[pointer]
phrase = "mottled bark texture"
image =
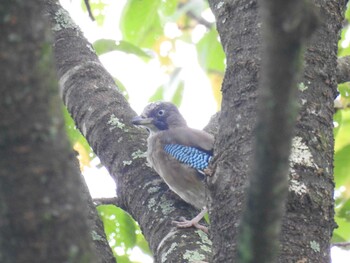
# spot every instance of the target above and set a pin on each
(102, 249)
(43, 214)
(103, 116)
(343, 69)
(285, 27)
(308, 223)
(239, 28)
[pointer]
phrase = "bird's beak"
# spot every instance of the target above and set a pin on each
(138, 120)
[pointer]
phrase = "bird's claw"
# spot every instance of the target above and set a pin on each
(208, 172)
(184, 223)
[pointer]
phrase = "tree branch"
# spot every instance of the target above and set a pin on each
(103, 116)
(88, 8)
(200, 20)
(43, 209)
(343, 69)
(106, 201)
(287, 24)
(341, 244)
(196, 17)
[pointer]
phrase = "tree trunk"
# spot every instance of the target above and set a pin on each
(308, 224)
(43, 212)
(237, 23)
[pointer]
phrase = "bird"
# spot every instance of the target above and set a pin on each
(179, 154)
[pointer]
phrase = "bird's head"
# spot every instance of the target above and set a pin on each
(160, 116)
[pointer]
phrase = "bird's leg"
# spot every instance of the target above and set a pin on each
(208, 171)
(193, 222)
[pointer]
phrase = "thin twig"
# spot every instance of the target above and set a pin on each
(341, 244)
(106, 201)
(88, 7)
(200, 20)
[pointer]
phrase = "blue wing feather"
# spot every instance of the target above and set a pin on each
(189, 155)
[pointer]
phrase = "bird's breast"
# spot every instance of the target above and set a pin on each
(181, 178)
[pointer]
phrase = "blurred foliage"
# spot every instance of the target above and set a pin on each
(103, 46)
(344, 51)
(122, 232)
(211, 57)
(143, 27)
(174, 84)
(98, 10)
(78, 141)
(342, 147)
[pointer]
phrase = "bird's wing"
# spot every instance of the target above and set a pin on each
(189, 146)
(190, 137)
(189, 155)
(180, 177)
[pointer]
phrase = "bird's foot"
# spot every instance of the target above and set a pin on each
(208, 172)
(194, 222)
(184, 223)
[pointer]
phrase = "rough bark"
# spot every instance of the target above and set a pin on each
(103, 115)
(285, 28)
(238, 26)
(43, 214)
(308, 224)
(343, 69)
(102, 249)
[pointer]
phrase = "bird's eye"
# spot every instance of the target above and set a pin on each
(161, 112)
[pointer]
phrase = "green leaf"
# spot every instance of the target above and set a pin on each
(174, 83)
(342, 166)
(168, 8)
(211, 56)
(121, 88)
(123, 259)
(344, 211)
(74, 134)
(178, 94)
(140, 22)
(153, 34)
(103, 46)
(344, 51)
(142, 244)
(347, 13)
(157, 95)
(338, 119)
(118, 223)
(122, 231)
(337, 238)
(344, 89)
(342, 136)
(206, 218)
(342, 233)
(97, 9)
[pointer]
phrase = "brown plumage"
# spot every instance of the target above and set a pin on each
(167, 127)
